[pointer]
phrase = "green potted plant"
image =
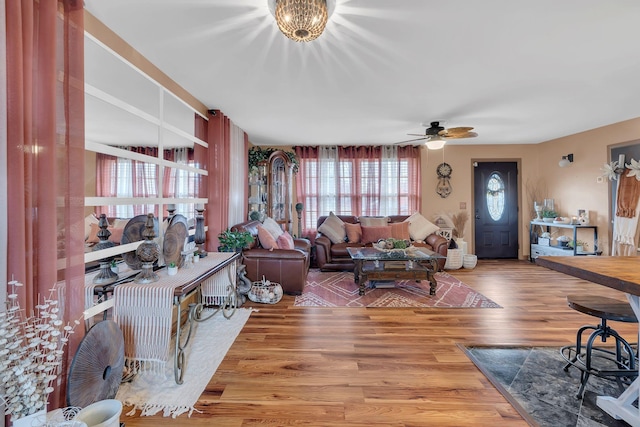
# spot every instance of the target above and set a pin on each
(549, 215)
(234, 241)
(172, 269)
(581, 246)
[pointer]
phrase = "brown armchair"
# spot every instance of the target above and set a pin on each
(289, 267)
(334, 256)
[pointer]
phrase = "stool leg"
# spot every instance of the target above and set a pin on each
(579, 345)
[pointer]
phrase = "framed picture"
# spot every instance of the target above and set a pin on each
(583, 216)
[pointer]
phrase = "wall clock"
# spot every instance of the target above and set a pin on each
(443, 188)
(444, 170)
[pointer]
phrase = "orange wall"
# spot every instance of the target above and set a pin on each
(572, 188)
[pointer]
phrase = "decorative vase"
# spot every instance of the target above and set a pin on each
(461, 244)
(469, 261)
(103, 413)
(33, 420)
(454, 259)
(148, 252)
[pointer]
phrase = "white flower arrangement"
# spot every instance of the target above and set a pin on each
(31, 350)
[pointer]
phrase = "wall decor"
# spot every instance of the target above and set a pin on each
(443, 188)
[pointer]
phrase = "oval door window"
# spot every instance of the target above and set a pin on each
(495, 196)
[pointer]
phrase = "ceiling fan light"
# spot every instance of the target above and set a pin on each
(435, 143)
(301, 20)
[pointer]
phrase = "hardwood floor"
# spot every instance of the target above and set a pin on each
(386, 366)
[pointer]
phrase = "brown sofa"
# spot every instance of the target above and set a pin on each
(289, 267)
(334, 256)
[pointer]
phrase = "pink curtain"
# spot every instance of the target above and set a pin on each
(217, 210)
(45, 103)
(361, 176)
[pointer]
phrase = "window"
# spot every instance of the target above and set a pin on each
(495, 196)
(372, 181)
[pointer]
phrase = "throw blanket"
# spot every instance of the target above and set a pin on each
(144, 313)
(625, 222)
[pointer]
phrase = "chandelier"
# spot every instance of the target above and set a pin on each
(301, 20)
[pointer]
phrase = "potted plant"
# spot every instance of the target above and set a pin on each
(549, 215)
(234, 241)
(172, 269)
(579, 245)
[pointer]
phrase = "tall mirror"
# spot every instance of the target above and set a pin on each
(142, 154)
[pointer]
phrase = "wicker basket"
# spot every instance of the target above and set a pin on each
(265, 292)
(454, 259)
(469, 261)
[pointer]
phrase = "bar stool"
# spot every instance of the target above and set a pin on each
(619, 363)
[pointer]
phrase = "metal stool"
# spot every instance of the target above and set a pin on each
(619, 364)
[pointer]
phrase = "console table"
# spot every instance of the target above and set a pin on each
(537, 249)
(620, 273)
(144, 312)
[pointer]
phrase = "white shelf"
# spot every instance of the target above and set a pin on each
(537, 250)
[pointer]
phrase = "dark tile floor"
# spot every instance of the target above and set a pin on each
(535, 378)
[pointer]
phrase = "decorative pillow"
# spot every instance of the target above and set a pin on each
(373, 221)
(400, 230)
(354, 232)
(116, 234)
(120, 223)
(272, 227)
(333, 228)
(88, 220)
(420, 227)
(267, 240)
(285, 241)
(373, 234)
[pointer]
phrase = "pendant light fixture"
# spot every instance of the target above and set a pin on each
(302, 20)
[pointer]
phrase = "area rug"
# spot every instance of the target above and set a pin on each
(338, 289)
(532, 379)
(152, 393)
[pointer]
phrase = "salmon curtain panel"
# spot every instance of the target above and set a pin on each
(363, 180)
(45, 157)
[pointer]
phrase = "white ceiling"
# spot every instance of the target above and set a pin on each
(517, 71)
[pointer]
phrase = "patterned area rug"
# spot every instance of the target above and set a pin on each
(329, 289)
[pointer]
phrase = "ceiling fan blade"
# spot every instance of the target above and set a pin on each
(461, 135)
(455, 131)
(416, 134)
(411, 140)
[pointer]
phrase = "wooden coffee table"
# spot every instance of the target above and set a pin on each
(375, 264)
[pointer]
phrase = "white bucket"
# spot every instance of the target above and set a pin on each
(103, 413)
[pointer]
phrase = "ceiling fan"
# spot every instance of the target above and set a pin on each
(437, 135)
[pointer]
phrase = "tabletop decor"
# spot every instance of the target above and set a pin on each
(31, 355)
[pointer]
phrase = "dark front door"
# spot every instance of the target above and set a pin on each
(496, 209)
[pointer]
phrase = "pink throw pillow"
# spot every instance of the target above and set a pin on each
(373, 234)
(285, 241)
(267, 240)
(354, 232)
(400, 230)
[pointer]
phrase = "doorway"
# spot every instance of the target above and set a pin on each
(495, 196)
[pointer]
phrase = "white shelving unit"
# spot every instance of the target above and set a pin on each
(537, 250)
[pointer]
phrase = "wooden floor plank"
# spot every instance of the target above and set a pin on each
(388, 366)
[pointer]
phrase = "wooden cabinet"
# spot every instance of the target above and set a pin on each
(279, 189)
(539, 246)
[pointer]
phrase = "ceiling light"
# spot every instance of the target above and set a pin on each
(566, 161)
(435, 143)
(301, 20)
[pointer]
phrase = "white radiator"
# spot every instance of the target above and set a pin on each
(217, 288)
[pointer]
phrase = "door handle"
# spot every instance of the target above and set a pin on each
(477, 216)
